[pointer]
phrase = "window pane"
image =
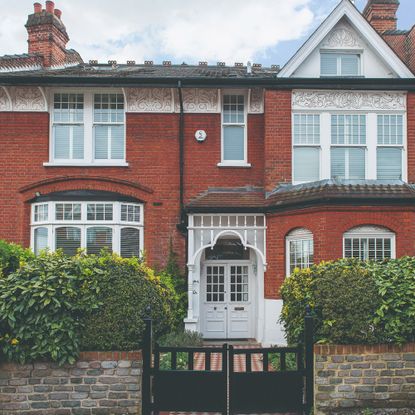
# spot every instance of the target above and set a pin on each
(101, 141)
(62, 141)
(68, 108)
(130, 242)
(306, 164)
(329, 64)
(301, 253)
(41, 240)
(41, 213)
(233, 109)
(78, 142)
(306, 129)
(376, 249)
(347, 163)
(130, 213)
(98, 238)
(350, 65)
(108, 108)
(390, 129)
(117, 142)
(68, 211)
(68, 239)
(233, 143)
(389, 163)
(100, 211)
(348, 129)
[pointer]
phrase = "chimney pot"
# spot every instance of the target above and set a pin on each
(58, 13)
(37, 7)
(50, 6)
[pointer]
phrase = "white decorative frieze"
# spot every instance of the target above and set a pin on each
(27, 98)
(5, 104)
(149, 100)
(256, 101)
(204, 100)
(342, 36)
(348, 100)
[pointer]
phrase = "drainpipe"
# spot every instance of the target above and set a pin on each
(182, 225)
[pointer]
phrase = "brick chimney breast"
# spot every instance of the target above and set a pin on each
(381, 14)
(47, 35)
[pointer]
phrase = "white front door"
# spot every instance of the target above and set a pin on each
(228, 301)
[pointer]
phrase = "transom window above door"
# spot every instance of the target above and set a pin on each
(93, 226)
(87, 128)
(227, 249)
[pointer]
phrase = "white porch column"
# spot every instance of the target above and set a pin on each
(190, 322)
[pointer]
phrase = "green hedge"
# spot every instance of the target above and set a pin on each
(352, 301)
(52, 306)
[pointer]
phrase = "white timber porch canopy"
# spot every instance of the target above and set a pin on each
(204, 231)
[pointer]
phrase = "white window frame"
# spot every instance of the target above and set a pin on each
(235, 163)
(299, 234)
(89, 126)
(371, 141)
(295, 145)
(356, 52)
(365, 232)
(115, 224)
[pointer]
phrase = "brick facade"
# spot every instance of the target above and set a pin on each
(352, 378)
(105, 383)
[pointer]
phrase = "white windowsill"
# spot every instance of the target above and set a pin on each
(82, 164)
(237, 165)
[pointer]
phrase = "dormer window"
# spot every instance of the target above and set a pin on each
(340, 64)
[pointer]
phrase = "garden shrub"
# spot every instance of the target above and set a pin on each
(11, 255)
(40, 307)
(127, 289)
(352, 301)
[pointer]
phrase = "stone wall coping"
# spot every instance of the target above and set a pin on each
(342, 349)
(89, 356)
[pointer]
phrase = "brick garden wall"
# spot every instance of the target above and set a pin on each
(98, 384)
(349, 379)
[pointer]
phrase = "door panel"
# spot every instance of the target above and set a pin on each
(239, 307)
(227, 303)
(215, 308)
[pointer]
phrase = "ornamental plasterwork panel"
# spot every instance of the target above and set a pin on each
(344, 100)
(149, 100)
(204, 100)
(5, 104)
(342, 36)
(256, 101)
(27, 98)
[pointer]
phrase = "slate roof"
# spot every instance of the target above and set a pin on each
(114, 70)
(342, 191)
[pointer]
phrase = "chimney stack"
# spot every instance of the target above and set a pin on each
(47, 34)
(37, 8)
(381, 14)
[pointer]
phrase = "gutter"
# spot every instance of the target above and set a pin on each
(182, 225)
(391, 84)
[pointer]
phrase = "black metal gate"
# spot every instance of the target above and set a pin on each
(173, 382)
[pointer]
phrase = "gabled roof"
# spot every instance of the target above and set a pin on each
(346, 9)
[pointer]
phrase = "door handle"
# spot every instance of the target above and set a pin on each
(226, 308)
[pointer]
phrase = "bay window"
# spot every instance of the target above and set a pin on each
(87, 128)
(69, 226)
(348, 145)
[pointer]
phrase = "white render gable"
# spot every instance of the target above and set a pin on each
(346, 31)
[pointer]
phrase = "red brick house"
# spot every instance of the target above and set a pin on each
(248, 171)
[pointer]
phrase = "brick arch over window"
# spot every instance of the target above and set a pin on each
(67, 183)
